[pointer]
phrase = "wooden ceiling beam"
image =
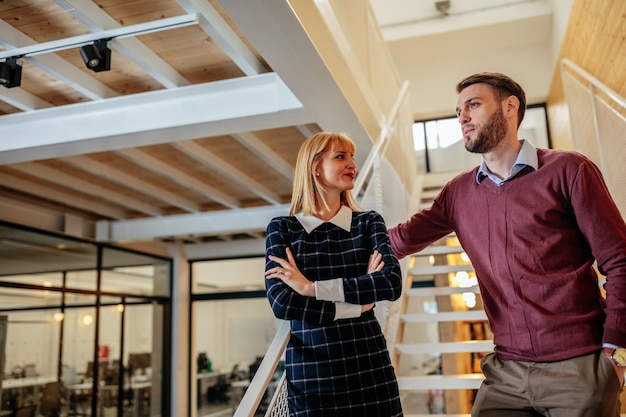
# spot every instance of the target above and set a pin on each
(153, 164)
(215, 26)
(105, 171)
(86, 187)
(57, 196)
(206, 157)
(252, 142)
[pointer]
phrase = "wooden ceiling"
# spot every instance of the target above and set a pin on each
(191, 120)
(191, 135)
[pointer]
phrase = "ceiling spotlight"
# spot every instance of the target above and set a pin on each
(11, 72)
(97, 56)
(443, 7)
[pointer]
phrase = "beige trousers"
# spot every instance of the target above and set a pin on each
(586, 386)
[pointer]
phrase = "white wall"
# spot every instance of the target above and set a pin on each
(562, 9)
(32, 338)
(525, 49)
(233, 331)
(433, 78)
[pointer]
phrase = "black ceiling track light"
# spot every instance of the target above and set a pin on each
(97, 56)
(11, 72)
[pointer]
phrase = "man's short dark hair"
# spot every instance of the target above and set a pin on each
(502, 85)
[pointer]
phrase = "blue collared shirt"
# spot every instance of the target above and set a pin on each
(527, 157)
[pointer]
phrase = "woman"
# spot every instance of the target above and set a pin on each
(327, 263)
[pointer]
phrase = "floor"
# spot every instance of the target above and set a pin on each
(412, 403)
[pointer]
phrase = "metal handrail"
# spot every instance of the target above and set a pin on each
(383, 136)
(594, 81)
(617, 107)
(255, 391)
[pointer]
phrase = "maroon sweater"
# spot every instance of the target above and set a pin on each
(533, 241)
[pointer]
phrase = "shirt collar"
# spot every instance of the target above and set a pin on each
(527, 156)
(343, 219)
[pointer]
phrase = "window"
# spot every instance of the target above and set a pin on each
(439, 145)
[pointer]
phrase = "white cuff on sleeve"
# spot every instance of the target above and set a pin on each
(330, 290)
(347, 311)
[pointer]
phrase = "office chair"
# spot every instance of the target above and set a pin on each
(52, 399)
(26, 411)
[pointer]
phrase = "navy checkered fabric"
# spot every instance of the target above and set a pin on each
(336, 367)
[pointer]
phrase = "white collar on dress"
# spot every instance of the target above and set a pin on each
(343, 219)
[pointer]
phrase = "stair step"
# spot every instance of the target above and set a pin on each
(429, 382)
(446, 347)
(474, 315)
(439, 269)
(440, 250)
(433, 291)
(438, 179)
(430, 194)
(440, 415)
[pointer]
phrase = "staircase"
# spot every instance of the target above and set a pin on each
(437, 368)
(440, 336)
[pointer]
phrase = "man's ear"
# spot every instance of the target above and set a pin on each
(512, 105)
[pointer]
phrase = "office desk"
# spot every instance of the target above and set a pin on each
(33, 381)
(81, 386)
(20, 386)
(89, 385)
(79, 398)
(207, 380)
(240, 384)
(138, 386)
(208, 375)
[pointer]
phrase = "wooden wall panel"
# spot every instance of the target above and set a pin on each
(595, 40)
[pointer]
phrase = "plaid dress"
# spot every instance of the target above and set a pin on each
(336, 367)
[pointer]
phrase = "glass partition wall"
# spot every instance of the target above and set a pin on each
(232, 326)
(85, 327)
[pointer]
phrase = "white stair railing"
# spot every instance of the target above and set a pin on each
(598, 125)
(263, 376)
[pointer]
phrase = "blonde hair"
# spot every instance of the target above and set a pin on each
(305, 184)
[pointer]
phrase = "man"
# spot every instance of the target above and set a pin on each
(533, 222)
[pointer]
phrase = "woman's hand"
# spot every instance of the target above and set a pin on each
(367, 307)
(289, 273)
(375, 263)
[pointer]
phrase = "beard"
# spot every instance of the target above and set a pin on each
(490, 135)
